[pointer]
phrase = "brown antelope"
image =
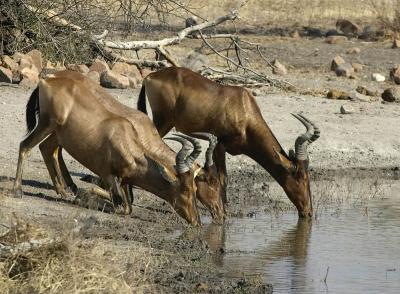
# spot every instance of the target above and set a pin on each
(189, 102)
(105, 143)
(207, 182)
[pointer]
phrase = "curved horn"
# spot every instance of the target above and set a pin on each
(305, 139)
(181, 156)
(196, 149)
(212, 140)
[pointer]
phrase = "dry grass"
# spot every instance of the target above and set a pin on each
(62, 266)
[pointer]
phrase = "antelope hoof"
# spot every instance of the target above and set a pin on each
(18, 193)
(123, 210)
(72, 189)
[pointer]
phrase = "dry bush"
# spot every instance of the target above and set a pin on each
(388, 13)
(62, 266)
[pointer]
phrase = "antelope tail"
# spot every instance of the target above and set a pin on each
(32, 110)
(141, 104)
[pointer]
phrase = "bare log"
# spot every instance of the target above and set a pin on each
(136, 45)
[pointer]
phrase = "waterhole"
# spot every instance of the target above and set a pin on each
(351, 247)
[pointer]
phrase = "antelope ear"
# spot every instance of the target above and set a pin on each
(166, 174)
(285, 162)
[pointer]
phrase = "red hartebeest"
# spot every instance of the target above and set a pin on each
(105, 143)
(207, 181)
(189, 102)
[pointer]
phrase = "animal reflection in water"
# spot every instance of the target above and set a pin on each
(292, 247)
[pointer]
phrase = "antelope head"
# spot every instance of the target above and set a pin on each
(184, 185)
(208, 183)
(296, 181)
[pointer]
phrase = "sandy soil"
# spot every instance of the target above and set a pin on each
(365, 143)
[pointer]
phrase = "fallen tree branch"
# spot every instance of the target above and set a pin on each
(136, 45)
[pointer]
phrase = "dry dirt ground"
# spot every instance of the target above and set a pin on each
(153, 250)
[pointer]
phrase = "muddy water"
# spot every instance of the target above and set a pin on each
(348, 249)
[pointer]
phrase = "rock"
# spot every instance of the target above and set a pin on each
(145, 72)
(395, 74)
(377, 77)
(200, 287)
(335, 39)
(279, 68)
(82, 68)
(195, 61)
(348, 27)
(295, 34)
(332, 33)
(344, 70)
(94, 76)
(5, 75)
(25, 62)
(338, 60)
(354, 50)
(37, 59)
(191, 21)
(17, 56)
(396, 43)
(357, 66)
(256, 92)
(133, 83)
(337, 94)
(31, 74)
(128, 70)
(346, 109)
(9, 63)
(99, 65)
(110, 79)
(391, 95)
(365, 91)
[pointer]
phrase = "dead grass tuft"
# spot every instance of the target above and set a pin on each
(55, 265)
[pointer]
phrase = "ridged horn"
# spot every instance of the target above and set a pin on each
(305, 139)
(212, 140)
(196, 149)
(181, 156)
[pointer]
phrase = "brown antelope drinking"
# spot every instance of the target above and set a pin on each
(189, 102)
(207, 182)
(105, 143)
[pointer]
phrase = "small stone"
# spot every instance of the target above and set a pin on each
(348, 27)
(99, 65)
(378, 77)
(335, 39)
(94, 76)
(344, 70)
(30, 74)
(145, 72)
(395, 74)
(365, 91)
(82, 68)
(133, 83)
(396, 43)
(128, 70)
(391, 95)
(195, 61)
(256, 92)
(201, 287)
(25, 62)
(9, 63)
(338, 60)
(17, 56)
(279, 68)
(110, 79)
(346, 109)
(354, 50)
(295, 34)
(5, 75)
(357, 66)
(337, 94)
(37, 59)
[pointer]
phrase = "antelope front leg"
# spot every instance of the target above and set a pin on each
(219, 157)
(116, 190)
(49, 149)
